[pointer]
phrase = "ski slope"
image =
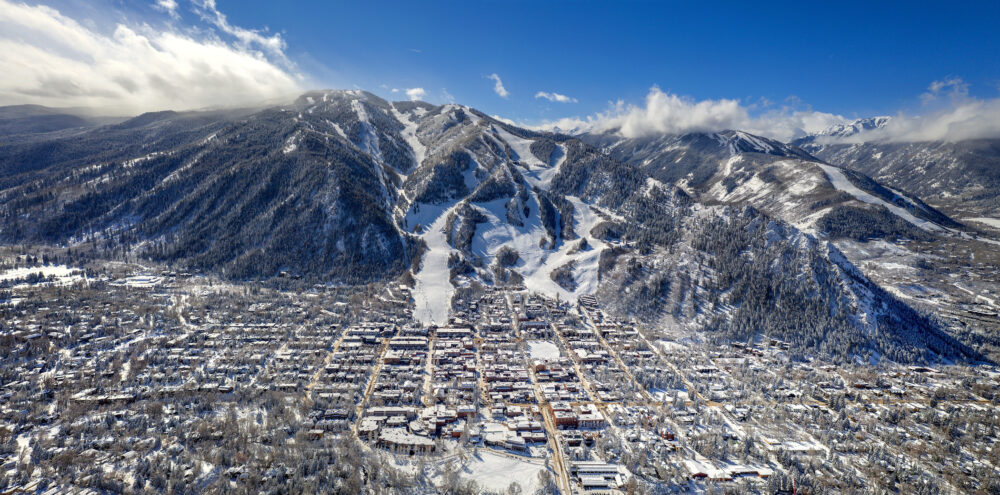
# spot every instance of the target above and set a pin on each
(433, 290)
(840, 181)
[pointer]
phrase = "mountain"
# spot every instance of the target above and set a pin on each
(246, 195)
(30, 122)
(735, 167)
(960, 178)
(840, 131)
(719, 236)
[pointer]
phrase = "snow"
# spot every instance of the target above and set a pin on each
(58, 271)
(63, 274)
(992, 222)
(433, 290)
(410, 135)
(536, 263)
(522, 147)
(542, 177)
(727, 170)
(369, 141)
(290, 143)
(895, 266)
(543, 349)
(756, 143)
(841, 183)
(337, 128)
(469, 175)
(495, 472)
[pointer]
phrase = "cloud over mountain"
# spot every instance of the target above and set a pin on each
(668, 113)
(948, 114)
(49, 58)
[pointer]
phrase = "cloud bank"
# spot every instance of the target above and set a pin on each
(948, 114)
(951, 115)
(668, 113)
(50, 59)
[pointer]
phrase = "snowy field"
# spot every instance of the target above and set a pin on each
(495, 472)
(992, 222)
(62, 273)
(542, 349)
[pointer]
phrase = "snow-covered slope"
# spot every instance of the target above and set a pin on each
(961, 178)
(735, 167)
(840, 131)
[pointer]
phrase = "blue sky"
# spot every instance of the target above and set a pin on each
(842, 57)
(849, 59)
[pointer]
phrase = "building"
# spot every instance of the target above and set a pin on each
(399, 441)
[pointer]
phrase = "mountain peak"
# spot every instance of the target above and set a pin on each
(856, 127)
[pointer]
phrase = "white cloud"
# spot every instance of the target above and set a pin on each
(948, 114)
(953, 87)
(555, 97)
(416, 93)
(498, 87)
(168, 6)
(274, 45)
(50, 59)
(504, 120)
(667, 113)
(962, 119)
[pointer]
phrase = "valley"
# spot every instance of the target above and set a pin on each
(221, 386)
(345, 293)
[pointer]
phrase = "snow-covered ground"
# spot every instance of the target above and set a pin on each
(409, 133)
(543, 349)
(433, 290)
(840, 181)
(992, 222)
(62, 273)
(495, 472)
(536, 263)
(521, 146)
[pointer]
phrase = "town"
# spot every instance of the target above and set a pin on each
(124, 378)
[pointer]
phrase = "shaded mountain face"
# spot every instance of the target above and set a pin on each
(704, 234)
(246, 196)
(961, 178)
(26, 123)
(34, 119)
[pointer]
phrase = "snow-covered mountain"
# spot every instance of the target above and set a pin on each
(700, 232)
(960, 178)
(855, 128)
(735, 167)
